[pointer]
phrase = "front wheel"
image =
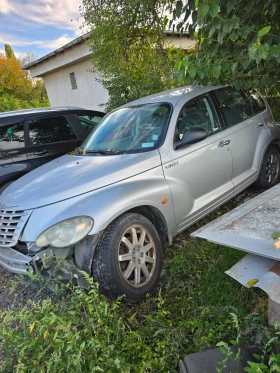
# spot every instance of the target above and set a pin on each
(270, 169)
(128, 258)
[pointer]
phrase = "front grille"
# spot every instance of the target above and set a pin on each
(11, 225)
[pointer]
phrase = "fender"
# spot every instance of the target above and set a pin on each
(106, 204)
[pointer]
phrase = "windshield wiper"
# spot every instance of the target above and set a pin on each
(101, 151)
(79, 151)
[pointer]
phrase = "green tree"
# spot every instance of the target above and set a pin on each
(128, 47)
(238, 42)
(9, 51)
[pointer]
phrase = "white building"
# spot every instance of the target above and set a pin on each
(68, 77)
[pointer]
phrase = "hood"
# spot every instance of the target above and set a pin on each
(70, 176)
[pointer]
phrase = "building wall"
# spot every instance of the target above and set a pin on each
(89, 93)
(60, 59)
(178, 41)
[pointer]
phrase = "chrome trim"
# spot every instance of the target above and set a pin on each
(11, 225)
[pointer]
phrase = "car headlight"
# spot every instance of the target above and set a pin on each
(66, 233)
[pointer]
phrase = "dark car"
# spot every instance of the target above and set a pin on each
(30, 138)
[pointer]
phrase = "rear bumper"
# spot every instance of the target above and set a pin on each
(15, 261)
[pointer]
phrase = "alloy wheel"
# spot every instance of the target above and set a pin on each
(137, 256)
(272, 168)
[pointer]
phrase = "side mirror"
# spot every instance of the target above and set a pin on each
(191, 136)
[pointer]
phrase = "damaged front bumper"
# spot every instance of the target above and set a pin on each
(15, 261)
(78, 258)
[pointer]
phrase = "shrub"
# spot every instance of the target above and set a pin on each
(268, 360)
(83, 332)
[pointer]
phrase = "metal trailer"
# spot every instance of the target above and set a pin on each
(248, 228)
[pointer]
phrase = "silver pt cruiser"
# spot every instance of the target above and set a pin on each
(150, 169)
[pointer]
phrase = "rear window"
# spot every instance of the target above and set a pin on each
(234, 105)
(12, 136)
(258, 101)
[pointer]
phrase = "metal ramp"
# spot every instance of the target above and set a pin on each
(248, 228)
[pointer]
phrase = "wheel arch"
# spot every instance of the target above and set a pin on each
(276, 143)
(83, 252)
(273, 142)
(259, 183)
(156, 218)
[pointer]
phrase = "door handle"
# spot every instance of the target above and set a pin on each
(260, 125)
(41, 152)
(223, 143)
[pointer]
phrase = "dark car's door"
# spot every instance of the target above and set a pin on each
(49, 137)
(87, 120)
(13, 159)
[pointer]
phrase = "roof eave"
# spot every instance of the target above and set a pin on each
(78, 40)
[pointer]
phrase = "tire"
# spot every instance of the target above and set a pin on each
(4, 186)
(270, 169)
(129, 235)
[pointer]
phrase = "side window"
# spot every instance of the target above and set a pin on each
(197, 112)
(12, 136)
(234, 105)
(258, 101)
(50, 130)
(88, 121)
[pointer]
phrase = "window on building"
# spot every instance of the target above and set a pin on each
(12, 136)
(73, 81)
(50, 130)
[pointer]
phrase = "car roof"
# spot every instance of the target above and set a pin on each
(172, 96)
(10, 117)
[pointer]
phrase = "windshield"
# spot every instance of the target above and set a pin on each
(129, 130)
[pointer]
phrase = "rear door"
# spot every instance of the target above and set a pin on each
(246, 134)
(49, 137)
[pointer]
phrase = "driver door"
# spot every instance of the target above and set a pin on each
(199, 175)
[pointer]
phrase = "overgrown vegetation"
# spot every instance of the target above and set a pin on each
(237, 43)
(267, 360)
(17, 89)
(85, 332)
(128, 47)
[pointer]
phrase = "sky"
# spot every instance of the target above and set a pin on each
(39, 26)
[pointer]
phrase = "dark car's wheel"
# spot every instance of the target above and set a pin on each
(270, 169)
(4, 186)
(128, 258)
